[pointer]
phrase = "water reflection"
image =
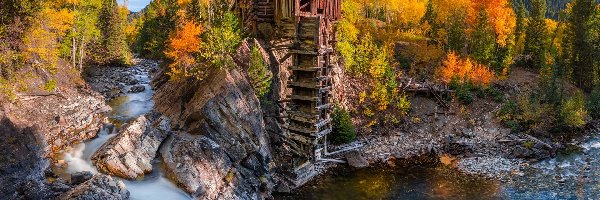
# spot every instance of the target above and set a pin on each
(402, 182)
(573, 176)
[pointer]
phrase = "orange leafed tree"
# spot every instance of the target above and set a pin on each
(501, 17)
(465, 71)
(182, 48)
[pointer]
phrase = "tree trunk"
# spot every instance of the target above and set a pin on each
(81, 53)
(74, 51)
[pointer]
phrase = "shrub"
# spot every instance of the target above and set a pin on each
(508, 111)
(403, 104)
(593, 103)
(343, 129)
(495, 93)
(573, 112)
(455, 70)
(259, 72)
(464, 95)
(529, 144)
(50, 85)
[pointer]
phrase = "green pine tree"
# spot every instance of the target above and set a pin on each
(430, 17)
(520, 26)
(156, 28)
(259, 73)
(581, 58)
(483, 42)
(456, 32)
(115, 50)
(535, 39)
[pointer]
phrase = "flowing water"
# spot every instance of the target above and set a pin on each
(129, 106)
(574, 176)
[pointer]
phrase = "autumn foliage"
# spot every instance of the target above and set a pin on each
(182, 48)
(465, 71)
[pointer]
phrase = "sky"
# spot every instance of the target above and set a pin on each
(135, 5)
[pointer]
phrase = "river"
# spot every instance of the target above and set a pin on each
(564, 177)
(126, 107)
(572, 176)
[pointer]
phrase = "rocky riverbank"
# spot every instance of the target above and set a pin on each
(112, 82)
(469, 137)
(39, 123)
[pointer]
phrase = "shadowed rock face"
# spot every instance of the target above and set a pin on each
(225, 112)
(130, 153)
(99, 187)
(21, 163)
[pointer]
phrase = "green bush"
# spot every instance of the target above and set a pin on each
(573, 112)
(403, 104)
(259, 72)
(508, 111)
(529, 144)
(343, 129)
(495, 93)
(463, 93)
(593, 103)
(50, 85)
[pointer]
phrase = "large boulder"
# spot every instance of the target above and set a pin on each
(222, 107)
(98, 187)
(130, 153)
(202, 168)
(355, 159)
(225, 111)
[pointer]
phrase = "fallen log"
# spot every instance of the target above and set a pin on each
(538, 141)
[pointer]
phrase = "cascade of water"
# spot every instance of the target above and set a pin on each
(126, 107)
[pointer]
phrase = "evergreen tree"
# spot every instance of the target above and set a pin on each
(581, 58)
(259, 73)
(483, 42)
(115, 50)
(194, 11)
(595, 24)
(160, 21)
(430, 17)
(535, 38)
(456, 32)
(520, 29)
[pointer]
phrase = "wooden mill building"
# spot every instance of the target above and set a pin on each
(308, 24)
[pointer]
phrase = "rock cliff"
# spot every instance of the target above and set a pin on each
(36, 124)
(225, 124)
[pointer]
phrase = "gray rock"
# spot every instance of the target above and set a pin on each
(59, 186)
(99, 187)
(226, 112)
(80, 177)
(203, 169)
(283, 188)
(129, 154)
(522, 152)
(355, 159)
(137, 89)
(223, 108)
